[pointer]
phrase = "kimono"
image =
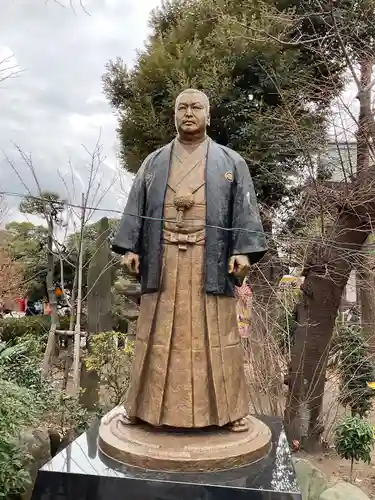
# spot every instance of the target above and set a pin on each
(189, 210)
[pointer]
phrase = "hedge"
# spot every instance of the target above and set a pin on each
(11, 328)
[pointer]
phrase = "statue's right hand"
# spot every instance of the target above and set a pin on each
(131, 261)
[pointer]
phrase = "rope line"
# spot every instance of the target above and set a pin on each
(350, 247)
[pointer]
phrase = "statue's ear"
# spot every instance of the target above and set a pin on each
(208, 120)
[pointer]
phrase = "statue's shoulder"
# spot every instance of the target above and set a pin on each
(231, 155)
(149, 159)
(161, 150)
(152, 158)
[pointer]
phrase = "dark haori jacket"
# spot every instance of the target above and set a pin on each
(231, 203)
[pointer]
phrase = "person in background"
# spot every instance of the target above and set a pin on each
(30, 309)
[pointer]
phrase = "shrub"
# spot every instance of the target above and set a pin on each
(37, 326)
(354, 440)
(66, 414)
(18, 408)
(14, 479)
(12, 328)
(111, 355)
(26, 400)
(356, 369)
(21, 408)
(22, 402)
(20, 361)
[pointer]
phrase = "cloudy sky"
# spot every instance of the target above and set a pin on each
(54, 109)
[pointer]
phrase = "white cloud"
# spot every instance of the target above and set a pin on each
(56, 105)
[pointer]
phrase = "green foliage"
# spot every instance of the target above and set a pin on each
(90, 234)
(20, 362)
(14, 479)
(22, 407)
(260, 91)
(65, 413)
(25, 238)
(354, 440)
(111, 355)
(49, 205)
(36, 326)
(26, 401)
(11, 328)
(18, 409)
(27, 245)
(356, 369)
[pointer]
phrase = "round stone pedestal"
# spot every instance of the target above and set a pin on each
(181, 450)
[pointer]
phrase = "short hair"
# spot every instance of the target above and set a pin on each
(195, 91)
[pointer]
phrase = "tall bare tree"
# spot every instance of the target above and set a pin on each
(50, 207)
(333, 256)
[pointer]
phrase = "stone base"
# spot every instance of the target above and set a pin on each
(82, 472)
(177, 450)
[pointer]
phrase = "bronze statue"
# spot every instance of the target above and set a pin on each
(190, 231)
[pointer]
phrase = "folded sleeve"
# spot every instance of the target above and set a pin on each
(248, 236)
(128, 236)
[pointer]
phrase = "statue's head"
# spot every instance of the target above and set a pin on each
(192, 114)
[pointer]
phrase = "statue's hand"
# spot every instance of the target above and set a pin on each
(239, 265)
(131, 261)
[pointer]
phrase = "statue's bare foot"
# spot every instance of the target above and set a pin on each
(241, 425)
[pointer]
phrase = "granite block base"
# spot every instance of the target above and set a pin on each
(82, 472)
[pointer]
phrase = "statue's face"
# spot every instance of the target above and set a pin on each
(191, 114)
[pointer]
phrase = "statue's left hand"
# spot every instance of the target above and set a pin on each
(239, 265)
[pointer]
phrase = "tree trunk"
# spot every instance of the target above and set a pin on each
(351, 470)
(325, 281)
(73, 300)
(51, 291)
(366, 288)
(77, 329)
(326, 275)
